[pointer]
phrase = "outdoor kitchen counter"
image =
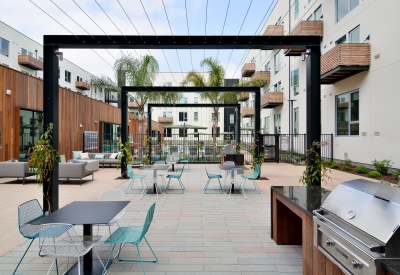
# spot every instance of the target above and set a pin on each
(292, 224)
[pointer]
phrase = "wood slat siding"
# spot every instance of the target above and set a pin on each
(346, 55)
(74, 109)
(272, 97)
(248, 69)
(274, 30)
(306, 27)
(243, 96)
(30, 62)
(162, 119)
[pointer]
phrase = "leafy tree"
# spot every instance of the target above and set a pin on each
(104, 84)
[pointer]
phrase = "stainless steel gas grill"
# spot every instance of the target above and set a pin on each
(357, 226)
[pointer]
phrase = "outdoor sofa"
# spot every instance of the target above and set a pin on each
(72, 170)
(106, 159)
(16, 169)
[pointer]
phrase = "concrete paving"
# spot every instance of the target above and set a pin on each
(192, 233)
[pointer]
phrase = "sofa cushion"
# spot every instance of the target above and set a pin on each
(99, 156)
(113, 155)
(76, 154)
(84, 155)
(79, 161)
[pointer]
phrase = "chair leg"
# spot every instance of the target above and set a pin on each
(23, 255)
(205, 187)
(108, 260)
(151, 250)
(140, 257)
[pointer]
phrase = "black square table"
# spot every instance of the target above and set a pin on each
(228, 168)
(86, 213)
(154, 168)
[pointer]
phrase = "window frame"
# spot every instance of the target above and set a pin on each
(349, 9)
(348, 94)
(1, 47)
(298, 81)
(277, 58)
(196, 116)
(296, 9)
(296, 122)
(67, 76)
(167, 132)
(183, 115)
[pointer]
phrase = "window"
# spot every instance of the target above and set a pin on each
(347, 114)
(252, 103)
(295, 81)
(40, 59)
(343, 7)
(58, 72)
(167, 132)
(167, 114)
(212, 117)
(266, 125)
(4, 44)
(277, 123)
(183, 100)
(354, 35)
(181, 131)
(279, 21)
(296, 121)
(212, 131)
(78, 78)
(277, 62)
(196, 116)
(196, 100)
(183, 116)
(296, 9)
(268, 66)
(341, 40)
(67, 76)
(167, 83)
(277, 87)
(231, 118)
(24, 52)
(30, 53)
(196, 131)
(317, 15)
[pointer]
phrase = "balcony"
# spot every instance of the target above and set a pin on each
(82, 85)
(262, 74)
(343, 61)
(305, 28)
(163, 119)
(248, 112)
(30, 62)
(243, 96)
(274, 30)
(271, 100)
(133, 104)
(248, 69)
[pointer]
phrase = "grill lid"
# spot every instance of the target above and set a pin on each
(369, 206)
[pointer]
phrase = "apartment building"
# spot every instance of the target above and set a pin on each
(359, 65)
(23, 54)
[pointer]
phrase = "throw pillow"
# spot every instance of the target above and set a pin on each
(113, 155)
(79, 161)
(84, 155)
(119, 153)
(99, 156)
(77, 154)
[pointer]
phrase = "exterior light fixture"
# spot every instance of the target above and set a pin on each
(304, 54)
(8, 92)
(59, 55)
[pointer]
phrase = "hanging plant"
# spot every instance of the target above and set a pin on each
(43, 158)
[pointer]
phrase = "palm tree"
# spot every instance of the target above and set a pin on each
(104, 84)
(216, 78)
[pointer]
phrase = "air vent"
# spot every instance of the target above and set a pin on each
(377, 134)
(364, 134)
(346, 156)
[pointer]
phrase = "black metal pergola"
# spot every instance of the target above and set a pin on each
(53, 43)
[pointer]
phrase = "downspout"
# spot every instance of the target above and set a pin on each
(290, 101)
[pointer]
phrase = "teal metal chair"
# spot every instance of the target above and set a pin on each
(210, 177)
(178, 177)
(29, 212)
(253, 177)
(134, 176)
(133, 235)
(186, 162)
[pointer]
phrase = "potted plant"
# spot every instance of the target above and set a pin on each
(124, 152)
(43, 158)
(258, 158)
(316, 171)
(238, 147)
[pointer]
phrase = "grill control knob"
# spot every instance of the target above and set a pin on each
(355, 264)
(330, 242)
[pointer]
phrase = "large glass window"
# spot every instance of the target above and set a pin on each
(167, 114)
(347, 114)
(183, 100)
(296, 9)
(183, 132)
(196, 116)
(277, 87)
(196, 100)
(31, 128)
(212, 117)
(277, 123)
(295, 81)
(277, 62)
(67, 76)
(111, 134)
(266, 125)
(183, 116)
(231, 118)
(4, 45)
(24, 51)
(341, 40)
(167, 132)
(354, 35)
(296, 121)
(316, 15)
(343, 7)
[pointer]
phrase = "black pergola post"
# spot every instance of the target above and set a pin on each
(238, 125)
(50, 115)
(257, 113)
(313, 100)
(124, 127)
(148, 143)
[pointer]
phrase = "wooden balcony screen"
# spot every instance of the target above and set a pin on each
(30, 62)
(306, 27)
(272, 99)
(133, 104)
(248, 69)
(163, 119)
(248, 112)
(274, 30)
(262, 74)
(243, 96)
(82, 85)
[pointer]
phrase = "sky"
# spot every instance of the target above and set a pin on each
(100, 17)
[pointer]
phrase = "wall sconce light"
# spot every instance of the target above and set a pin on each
(95, 121)
(8, 92)
(80, 125)
(59, 55)
(304, 54)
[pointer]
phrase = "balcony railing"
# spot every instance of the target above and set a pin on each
(30, 62)
(274, 30)
(272, 99)
(133, 104)
(248, 69)
(163, 119)
(262, 74)
(343, 61)
(82, 85)
(305, 27)
(243, 96)
(248, 112)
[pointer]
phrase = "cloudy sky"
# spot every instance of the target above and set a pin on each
(99, 17)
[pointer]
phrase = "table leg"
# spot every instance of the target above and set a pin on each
(87, 259)
(173, 167)
(154, 181)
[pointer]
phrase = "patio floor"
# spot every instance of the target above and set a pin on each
(192, 233)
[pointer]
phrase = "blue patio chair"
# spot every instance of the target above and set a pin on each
(132, 176)
(29, 212)
(178, 177)
(186, 162)
(210, 177)
(133, 235)
(253, 177)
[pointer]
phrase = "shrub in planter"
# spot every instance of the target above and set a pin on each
(347, 162)
(347, 168)
(382, 166)
(385, 182)
(334, 165)
(397, 174)
(361, 169)
(374, 174)
(326, 163)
